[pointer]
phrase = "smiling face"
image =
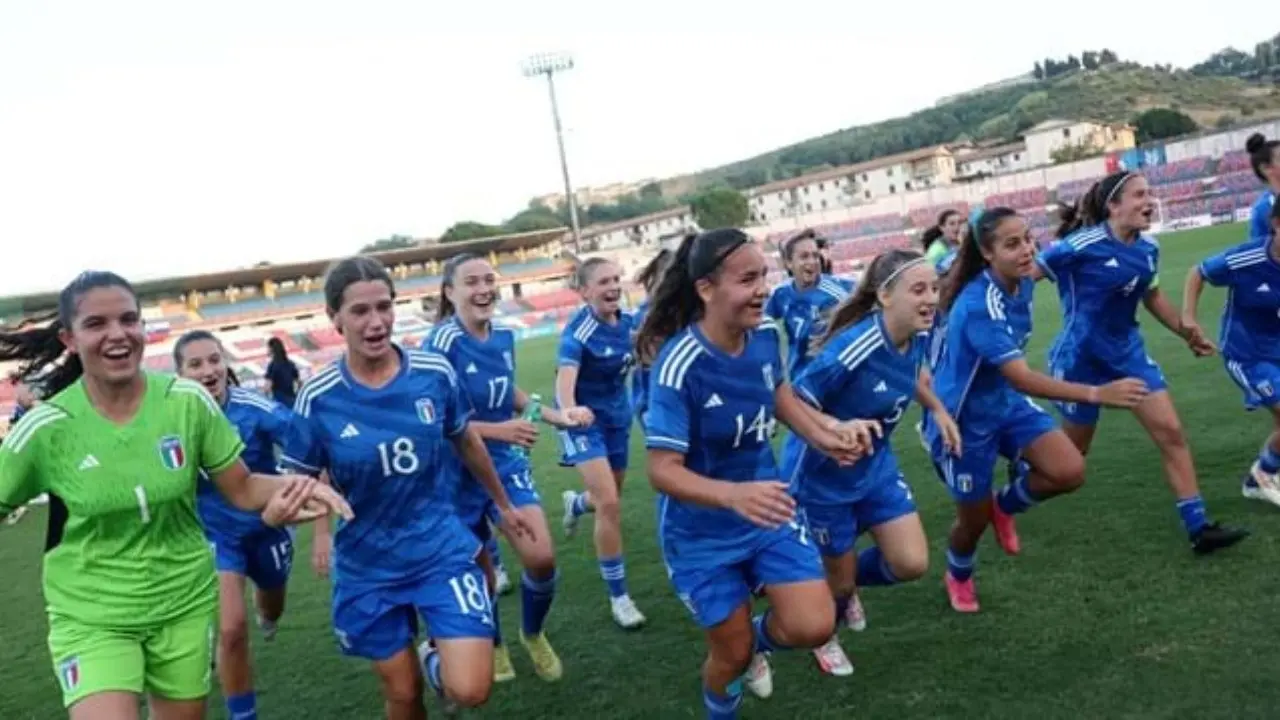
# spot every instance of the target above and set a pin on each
(1133, 206)
(603, 288)
(108, 335)
(735, 294)
(203, 361)
(1011, 252)
(912, 299)
(473, 290)
(365, 318)
(805, 262)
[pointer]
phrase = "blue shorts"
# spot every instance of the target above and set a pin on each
(713, 593)
(481, 517)
(378, 621)
(1259, 381)
(265, 556)
(835, 528)
(970, 476)
(1077, 366)
(596, 441)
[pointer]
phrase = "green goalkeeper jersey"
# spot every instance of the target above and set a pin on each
(125, 546)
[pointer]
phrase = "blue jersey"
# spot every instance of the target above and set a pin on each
(718, 411)
(602, 353)
(1260, 216)
(386, 450)
(859, 373)
(987, 327)
(1251, 318)
(640, 376)
(263, 425)
(803, 315)
(486, 370)
(943, 266)
(1101, 281)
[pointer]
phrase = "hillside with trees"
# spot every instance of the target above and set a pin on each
(1227, 88)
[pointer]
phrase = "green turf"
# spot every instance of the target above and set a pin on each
(1105, 614)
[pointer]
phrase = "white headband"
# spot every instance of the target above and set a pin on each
(901, 269)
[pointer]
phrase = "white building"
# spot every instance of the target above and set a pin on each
(1050, 136)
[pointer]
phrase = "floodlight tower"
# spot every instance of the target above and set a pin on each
(549, 64)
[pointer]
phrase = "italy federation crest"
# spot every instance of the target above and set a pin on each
(426, 411)
(172, 455)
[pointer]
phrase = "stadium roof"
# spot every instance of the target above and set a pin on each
(256, 276)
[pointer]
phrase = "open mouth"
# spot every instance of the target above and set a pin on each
(117, 353)
(612, 296)
(210, 384)
(376, 340)
(482, 300)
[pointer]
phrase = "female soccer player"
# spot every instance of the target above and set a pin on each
(128, 576)
(984, 381)
(649, 277)
(1250, 337)
(243, 546)
(727, 522)
(594, 361)
(484, 358)
(378, 422)
(1104, 265)
(870, 366)
(1262, 159)
(944, 236)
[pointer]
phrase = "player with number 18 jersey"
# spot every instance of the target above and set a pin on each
(406, 552)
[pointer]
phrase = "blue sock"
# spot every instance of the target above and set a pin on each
(242, 707)
(497, 621)
(1194, 515)
(1017, 497)
(1269, 459)
(580, 506)
(432, 671)
(615, 576)
(494, 553)
(535, 602)
(723, 707)
(961, 566)
(764, 643)
(873, 570)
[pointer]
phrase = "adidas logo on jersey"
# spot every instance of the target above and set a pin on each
(882, 387)
(1112, 263)
(713, 402)
(471, 369)
(1264, 288)
(350, 431)
(89, 462)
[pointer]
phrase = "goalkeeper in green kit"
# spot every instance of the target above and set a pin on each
(129, 582)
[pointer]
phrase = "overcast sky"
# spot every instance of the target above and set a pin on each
(169, 137)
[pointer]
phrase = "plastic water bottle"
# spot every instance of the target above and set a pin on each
(532, 413)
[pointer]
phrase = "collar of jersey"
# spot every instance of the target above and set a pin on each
(361, 388)
(878, 318)
(715, 349)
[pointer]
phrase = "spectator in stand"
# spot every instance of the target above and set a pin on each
(283, 379)
(938, 240)
(1261, 158)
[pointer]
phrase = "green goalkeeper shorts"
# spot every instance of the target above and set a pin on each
(171, 661)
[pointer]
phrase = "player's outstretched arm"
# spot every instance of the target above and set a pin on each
(475, 456)
(289, 498)
(815, 427)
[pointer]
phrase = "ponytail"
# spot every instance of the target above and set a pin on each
(929, 237)
(651, 273)
(675, 302)
(37, 344)
(970, 261)
(882, 274)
